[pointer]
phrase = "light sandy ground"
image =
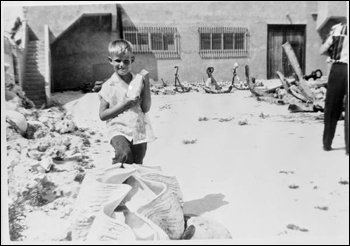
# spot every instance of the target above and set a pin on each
(260, 180)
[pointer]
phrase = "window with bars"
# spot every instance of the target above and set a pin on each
(223, 42)
(163, 42)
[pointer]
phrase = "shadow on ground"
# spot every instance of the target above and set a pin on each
(65, 97)
(206, 204)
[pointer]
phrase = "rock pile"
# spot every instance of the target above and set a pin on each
(47, 157)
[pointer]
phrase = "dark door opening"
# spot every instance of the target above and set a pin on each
(277, 60)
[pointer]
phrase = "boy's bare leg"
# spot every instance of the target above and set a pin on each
(123, 152)
(139, 152)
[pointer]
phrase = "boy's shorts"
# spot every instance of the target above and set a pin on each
(126, 152)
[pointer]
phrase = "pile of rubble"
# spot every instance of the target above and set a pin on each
(165, 89)
(280, 95)
(39, 142)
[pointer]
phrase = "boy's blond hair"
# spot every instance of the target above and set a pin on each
(119, 46)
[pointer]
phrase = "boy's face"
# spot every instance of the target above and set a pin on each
(122, 62)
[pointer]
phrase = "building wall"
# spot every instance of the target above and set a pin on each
(8, 57)
(60, 17)
(327, 9)
(187, 17)
(79, 50)
(86, 50)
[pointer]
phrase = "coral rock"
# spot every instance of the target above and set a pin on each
(208, 229)
(18, 119)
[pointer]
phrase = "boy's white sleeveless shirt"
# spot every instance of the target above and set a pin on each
(132, 123)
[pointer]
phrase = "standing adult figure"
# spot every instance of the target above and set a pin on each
(336, 46)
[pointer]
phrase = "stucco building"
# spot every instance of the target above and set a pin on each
(67, 45)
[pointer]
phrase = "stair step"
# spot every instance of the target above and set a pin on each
(36, 58)
(31, 81)
(34, 85)
(36, 96)
(35, 88)
(29, 46)
(35, 71)
(36, 82)
(36, 55)
(36, 42)
(35, 50)
(38, 63)
(34, 75)
(35, 66)
(33, 62)
(35, 47)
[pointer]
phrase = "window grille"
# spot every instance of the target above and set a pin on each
(223, 42)
(163, 42)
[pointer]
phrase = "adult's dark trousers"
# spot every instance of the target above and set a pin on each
(127, 152)
(337, 88)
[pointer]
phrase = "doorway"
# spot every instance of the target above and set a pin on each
(277, 60)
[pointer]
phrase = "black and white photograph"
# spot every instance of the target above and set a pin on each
(175, 122)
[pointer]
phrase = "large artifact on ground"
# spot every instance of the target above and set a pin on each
(212, 87)
(307, 93)
(135, 202)
(132, 203)
(179, 87)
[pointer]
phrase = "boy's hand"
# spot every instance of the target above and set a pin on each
(131, 102)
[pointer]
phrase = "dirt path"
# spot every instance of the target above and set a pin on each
(260, 178)
(253, 166)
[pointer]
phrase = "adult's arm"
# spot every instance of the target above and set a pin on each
(325, 46)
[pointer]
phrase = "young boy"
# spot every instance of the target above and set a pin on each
(128, 125)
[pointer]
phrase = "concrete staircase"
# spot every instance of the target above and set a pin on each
(34, 84)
